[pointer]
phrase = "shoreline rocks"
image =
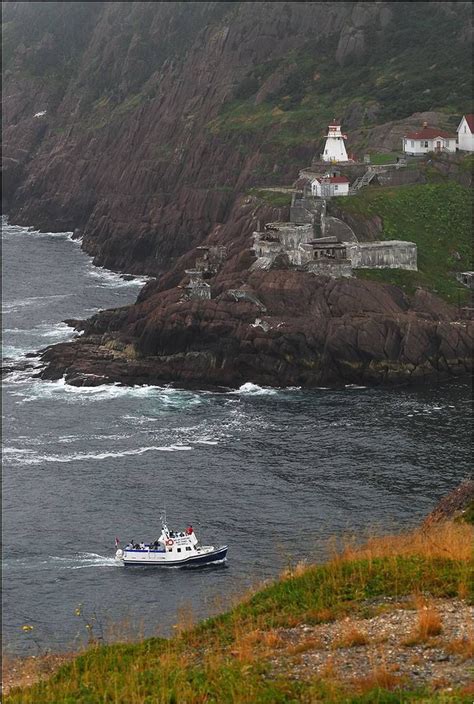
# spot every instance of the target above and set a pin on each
(315, 331)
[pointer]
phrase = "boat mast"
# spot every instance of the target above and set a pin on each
(163, 521)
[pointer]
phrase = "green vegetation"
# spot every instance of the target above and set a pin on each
(384, 158)
(406, 70)
(467, 516)
(438, 217)
(230, 658)
(279, 199)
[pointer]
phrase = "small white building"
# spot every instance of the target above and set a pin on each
(466, 134)
(335, 149)
(429, 139)
(328, 186)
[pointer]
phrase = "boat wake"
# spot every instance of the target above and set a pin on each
(75, 562)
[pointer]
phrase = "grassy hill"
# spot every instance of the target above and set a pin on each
(438, 217)
(250, 656)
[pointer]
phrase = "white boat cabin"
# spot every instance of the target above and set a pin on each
(172, 548)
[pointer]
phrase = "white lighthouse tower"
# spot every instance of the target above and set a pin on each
(335, 149)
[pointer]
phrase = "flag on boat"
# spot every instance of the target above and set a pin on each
(117, 542)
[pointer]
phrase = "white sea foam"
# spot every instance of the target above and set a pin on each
(168, 398)
(255, 390)
(112, 279)
(38, 301)
(55, 331)
(35, 458)
(13, 352)
(75, 562)
(84, 560)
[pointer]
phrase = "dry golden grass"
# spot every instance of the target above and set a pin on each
(304, 646)
(454, 541)
(351, 638)
(321, 615)
(429, 623)
(464, 647)
(185, 619)
(381, 678)
(328, 670)
(248, 645)
(294, 570)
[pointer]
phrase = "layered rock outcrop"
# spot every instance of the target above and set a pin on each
(294, 329)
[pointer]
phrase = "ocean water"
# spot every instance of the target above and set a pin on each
(273, 473)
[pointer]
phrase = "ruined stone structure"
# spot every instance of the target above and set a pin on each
(208, 263)
(314, 241)
(305, 209)
(391, 254)
(197, 288)
(242, 294)
(288, 245)
(210, 259)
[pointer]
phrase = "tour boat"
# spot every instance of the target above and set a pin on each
(172, 549)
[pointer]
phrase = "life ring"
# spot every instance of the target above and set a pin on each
(170, 542)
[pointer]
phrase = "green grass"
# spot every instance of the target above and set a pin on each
(227, 659)
(437, 217)
(379, 159)
(279, 199)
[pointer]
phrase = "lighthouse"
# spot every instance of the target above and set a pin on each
(335, 149)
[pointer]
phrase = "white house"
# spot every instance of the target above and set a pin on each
(335, 149)
(466, 133)
(328, 186)
(429, 139)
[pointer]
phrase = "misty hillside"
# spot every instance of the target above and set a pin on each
(140, 122)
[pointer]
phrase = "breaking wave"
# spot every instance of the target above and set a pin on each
(112, 279)
(250, 389)
(169, 398)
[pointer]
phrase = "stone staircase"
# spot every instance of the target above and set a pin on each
(362, 181)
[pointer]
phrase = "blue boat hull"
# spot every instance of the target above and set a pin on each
(216, 556)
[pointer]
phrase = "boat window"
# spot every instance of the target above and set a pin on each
(179, 549)
(188, 548)
(170, 549)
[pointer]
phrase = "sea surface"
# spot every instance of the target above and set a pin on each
(273, 473)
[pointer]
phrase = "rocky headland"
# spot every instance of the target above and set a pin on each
(143, 127)
(279, 327)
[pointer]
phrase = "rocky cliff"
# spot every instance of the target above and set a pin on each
(139, 123)
(277, 327)
(142, 126)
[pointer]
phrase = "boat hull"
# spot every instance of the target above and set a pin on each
(217, 555)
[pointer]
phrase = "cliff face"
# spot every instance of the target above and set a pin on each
(279, 327)
(144, 125)
(157, 114)
(293, 329)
